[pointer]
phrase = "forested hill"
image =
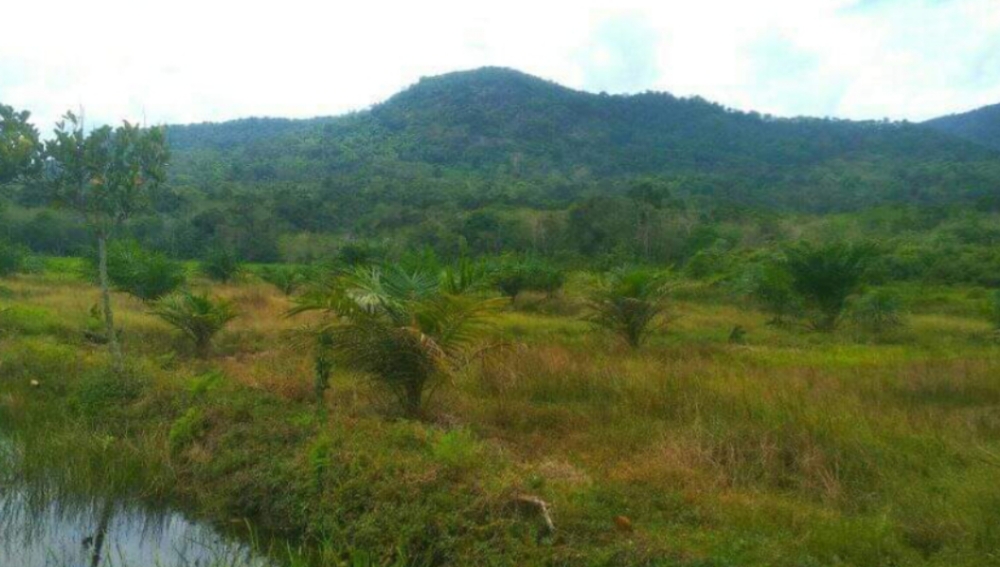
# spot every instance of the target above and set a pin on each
(463, 135)
(981, 125)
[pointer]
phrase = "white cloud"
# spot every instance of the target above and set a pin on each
(189, 60)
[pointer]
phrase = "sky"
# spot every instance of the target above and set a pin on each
(210, 60)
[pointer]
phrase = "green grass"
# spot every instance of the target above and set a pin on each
(792, 448)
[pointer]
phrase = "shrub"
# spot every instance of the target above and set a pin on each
(878, 311)
(103, 396)
(630, 303)
(286, 278)
(456, 449)
(545, 278)
(528, 275)
(995, 308)
(361, 253)
(145, 274)
(199, 317)
(13, 258)
(186, 429)
(511, 281)
(769, 285)
(826, 276)
(221, 264)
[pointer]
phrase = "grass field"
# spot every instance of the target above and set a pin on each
(791, 448)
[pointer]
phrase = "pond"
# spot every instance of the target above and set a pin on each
(54, 535)
(42, 526)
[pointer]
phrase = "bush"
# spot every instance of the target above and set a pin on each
(995, 308)
(361, 253)
(768, 284)
(528, 275)
(13, 258)
(457, 449)
(878, 311)
(186, 429)
(198, 317)
(510, 281)
(145, 274)
(104, 395)
(221, 264)
(286, 278)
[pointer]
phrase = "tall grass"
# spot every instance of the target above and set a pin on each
(793, 448)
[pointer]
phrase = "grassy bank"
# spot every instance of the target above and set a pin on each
(792, 448)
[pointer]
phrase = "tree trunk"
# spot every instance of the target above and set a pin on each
(103, 522)
(109, 317)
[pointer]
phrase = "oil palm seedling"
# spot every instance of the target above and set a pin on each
(827, 275)
(877, 312)
(221, 264)
(145, 274)
(198, 316)
(287, 279)
(630, 303)
(398, 327)
(466, 277)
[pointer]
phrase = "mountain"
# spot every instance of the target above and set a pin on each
(981, 125)
(468, 133)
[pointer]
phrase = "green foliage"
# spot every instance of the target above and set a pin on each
(466, 276)
(198, 317)
(995, 308)
(104, 394)
(630, 303)
(288, 279)
(221, 264)
(33, 320)
(878, 311)
(145, 274)
(518, 275)
(769, 284)
(361, 253)
(319, 456)
(322, 363)
(19, 145)
(186, 429)
(827, 275)
(105, 174)
(13, 258)
(397, 327)
(202, 384)
(456, 449)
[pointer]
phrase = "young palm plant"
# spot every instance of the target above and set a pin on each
(630, 303)
(199, 317)
(398, 327)
(287, 279)
(826, 276)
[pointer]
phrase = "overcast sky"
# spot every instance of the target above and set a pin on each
(197, 60)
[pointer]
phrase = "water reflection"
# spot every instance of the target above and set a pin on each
(101, 534)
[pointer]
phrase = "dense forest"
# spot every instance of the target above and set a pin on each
(981, 125)
(494, 160)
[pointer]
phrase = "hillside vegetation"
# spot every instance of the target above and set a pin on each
(981, 125)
